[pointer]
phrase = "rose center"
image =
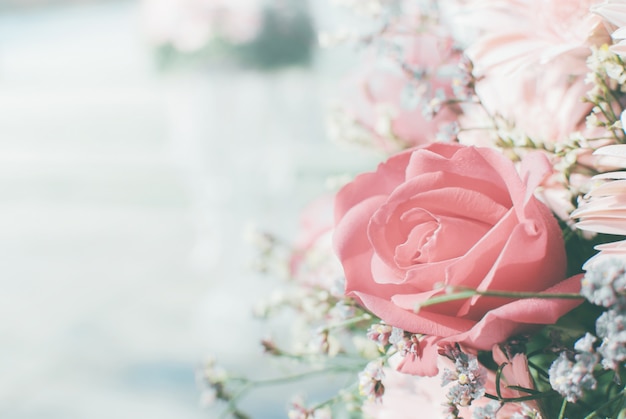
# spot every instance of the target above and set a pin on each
(433, 238)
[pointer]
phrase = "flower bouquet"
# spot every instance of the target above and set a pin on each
(479, 271)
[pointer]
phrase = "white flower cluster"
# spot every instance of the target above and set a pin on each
(604, 284)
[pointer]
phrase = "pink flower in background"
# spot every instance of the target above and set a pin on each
(399, 98)
(397, 236)
(535, 51)
(614, 11)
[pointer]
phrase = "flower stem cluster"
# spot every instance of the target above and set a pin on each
(607, 76)
(371, 381)
(467, 381)
(575, 373)
(571, 375)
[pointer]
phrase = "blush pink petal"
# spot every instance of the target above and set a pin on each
(535, 51)
(425, 276)
(613, 11)
(436, 249)
(534, 170)
(619, 48)
(448, 194)
(351, 233)
(607, 250)
(463, 162)
(515, 317)
(425, 363)
(388, 176)
(425, 322)
(528, 246)
(382, 273)
(465, 271)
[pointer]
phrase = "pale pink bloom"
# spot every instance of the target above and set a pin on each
(375, 101)
(606, 251)
(530, 57)
(614, 11)
(390, 102)
(396, 233)
(604, 207)
(558, 191)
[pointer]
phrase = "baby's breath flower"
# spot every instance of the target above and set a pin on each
(488, 411)
(451, 411)
(615, 72)
(380, 334)
(407, 344)
(561, 379)
(342, 311)
(611, 328)
(396, 337)
(434, 105)
(592, 121)
(604, 284)
(370, 381)
(213, 380)
(572, 377)
(344, 128)
(325, 343)
(298, 410)
(448, 132)
(412, 94)
(527, 413)
(467, 380)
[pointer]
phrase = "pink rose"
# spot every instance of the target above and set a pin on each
(450, 215)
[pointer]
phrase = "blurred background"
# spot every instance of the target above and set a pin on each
(140, 143)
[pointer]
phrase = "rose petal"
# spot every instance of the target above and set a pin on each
(424, 363)
(504, 321)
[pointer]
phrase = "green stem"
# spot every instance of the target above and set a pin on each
(539, 370)
(331, 401)
(608, 403)
(562, 411)
(499, 378)
(349, 322)
(522, 398)
(232, 402)
(303, 375)
(465, 293)
(231, 407)
(524, 389)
